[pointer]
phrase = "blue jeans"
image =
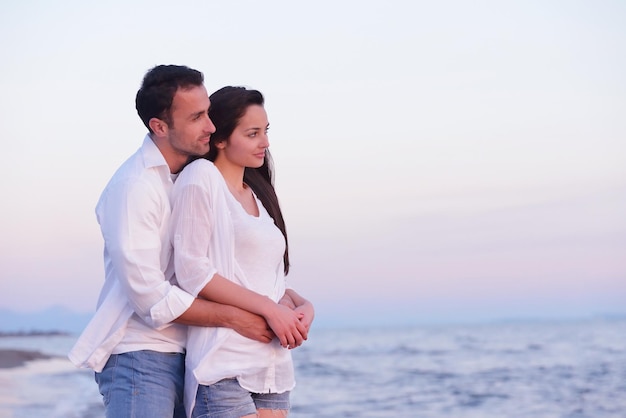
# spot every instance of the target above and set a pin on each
(227, 399)
(143, 384)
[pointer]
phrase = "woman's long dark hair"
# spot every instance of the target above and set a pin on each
(228, 105)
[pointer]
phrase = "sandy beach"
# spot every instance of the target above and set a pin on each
(37, 378)
(17, 358)
(20, 372)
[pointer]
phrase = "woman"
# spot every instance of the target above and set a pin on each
(230, 246)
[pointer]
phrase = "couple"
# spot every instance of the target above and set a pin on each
(195, 259)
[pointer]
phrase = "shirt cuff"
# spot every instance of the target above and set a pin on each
(170, 307)
(198, 288)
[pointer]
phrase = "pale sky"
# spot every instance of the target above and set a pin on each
(435, 161)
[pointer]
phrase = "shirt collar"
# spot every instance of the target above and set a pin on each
(152, 156)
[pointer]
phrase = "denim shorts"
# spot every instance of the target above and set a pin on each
(227, 399)
(143, 384)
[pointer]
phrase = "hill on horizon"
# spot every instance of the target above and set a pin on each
(53, 319)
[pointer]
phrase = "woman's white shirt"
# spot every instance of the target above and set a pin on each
(212, 233)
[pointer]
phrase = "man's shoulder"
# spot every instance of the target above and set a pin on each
(131, 169)
(142, 162)
(134, 174)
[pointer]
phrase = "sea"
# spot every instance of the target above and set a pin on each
(538, 369)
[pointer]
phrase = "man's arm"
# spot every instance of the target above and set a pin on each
(205, 313)
(132, 219)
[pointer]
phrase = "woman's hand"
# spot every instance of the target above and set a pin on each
(298, 304)
(308, 314)
(286, 324)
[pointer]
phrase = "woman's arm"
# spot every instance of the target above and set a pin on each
(285, 323)
(193, 223)
(204, 313)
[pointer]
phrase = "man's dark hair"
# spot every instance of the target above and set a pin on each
(154, 98)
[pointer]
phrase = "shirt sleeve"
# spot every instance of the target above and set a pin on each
(133, 221)
(192, 225)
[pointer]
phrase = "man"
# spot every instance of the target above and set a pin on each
(136, 340)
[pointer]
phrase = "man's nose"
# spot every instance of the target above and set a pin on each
(210, 126)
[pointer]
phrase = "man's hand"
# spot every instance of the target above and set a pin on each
(252, 326)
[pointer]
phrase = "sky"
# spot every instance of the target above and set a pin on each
(435, 161)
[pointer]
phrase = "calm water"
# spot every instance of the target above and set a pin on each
(539, 370)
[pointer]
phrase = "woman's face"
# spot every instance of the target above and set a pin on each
(246, 145)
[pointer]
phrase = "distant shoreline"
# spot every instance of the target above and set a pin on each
(10, 358)
(33, 333)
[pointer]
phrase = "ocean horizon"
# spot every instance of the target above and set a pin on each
(545, 369)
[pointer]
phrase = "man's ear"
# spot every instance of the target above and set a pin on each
(158, 126)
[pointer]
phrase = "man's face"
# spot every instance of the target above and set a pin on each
(190, 129)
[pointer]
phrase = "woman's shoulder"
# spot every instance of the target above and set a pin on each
(200, 172)
(200, 164)
(199, 168)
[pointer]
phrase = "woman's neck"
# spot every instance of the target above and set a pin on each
(233, 175)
